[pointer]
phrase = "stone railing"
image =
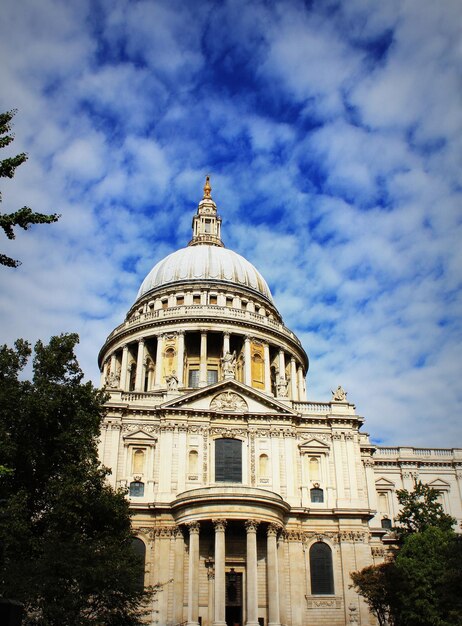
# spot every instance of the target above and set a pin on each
(404, 452)
(311, 407)
(214, 311)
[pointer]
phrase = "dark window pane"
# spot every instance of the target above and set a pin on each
(139, 549)
(228, 460)
(317, 495)
(136, 489)
(193, 378)
(212, 377)
(386, 523)
(322, 580)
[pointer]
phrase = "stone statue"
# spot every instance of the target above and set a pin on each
(172, 381)
(339, 395)
(228, 363)
(282, 387)
(113, 380)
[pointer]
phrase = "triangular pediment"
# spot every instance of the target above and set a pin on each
(314, 443)
(438, 483)
(384, 482)
(229, 396)
(139, 435)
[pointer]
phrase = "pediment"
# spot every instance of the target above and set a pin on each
(314, 444)
(439, 483)
(229, 396)
(384, 482)
(139, 435)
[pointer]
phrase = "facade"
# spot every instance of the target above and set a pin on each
(252, 504)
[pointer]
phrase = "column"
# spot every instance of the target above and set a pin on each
(272, 576)
(123, 368)
(251, 562)
(225, 343)
(180, 366)
(282, 365)
(104, 374)
(293, 379)
(113, 365)
(301, 389)
(247, 362)
(220, 585)
(139, 381)
(159, 365)
(203, 361)
(266, 352)
(178, 578)
(193, 586)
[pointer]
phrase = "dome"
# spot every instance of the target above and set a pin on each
(205, 262)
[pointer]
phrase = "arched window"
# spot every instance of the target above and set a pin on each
(257, 368)
(386, 523)
(314, 468)
(317, 495)
(136, 489)
(193, 461)
(138, 461)
(322, 579)
(263, 466)
(132, 379)
(228, 460)
(169, 357)
(139, 549)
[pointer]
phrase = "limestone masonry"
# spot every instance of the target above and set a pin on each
(251, 503)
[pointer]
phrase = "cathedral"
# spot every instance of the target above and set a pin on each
(251, 503)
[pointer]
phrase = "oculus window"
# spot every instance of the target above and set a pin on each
(228, 460)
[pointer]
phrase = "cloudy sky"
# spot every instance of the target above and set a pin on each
(333, 134)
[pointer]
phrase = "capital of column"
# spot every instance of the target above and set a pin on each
(193, 528)
(251, 525)
(219, 525)
(141, 340)
(273, 530)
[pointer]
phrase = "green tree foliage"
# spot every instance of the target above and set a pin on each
(422, 585)
(420, 510)
(65, 536)
(23, 217)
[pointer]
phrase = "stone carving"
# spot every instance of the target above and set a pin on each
(228, 401)
(281, 386)
(172, 381)
(323, 603)
(339, 395)
(113, 380)
(251, 525)
(228, 363)
(193, 528)
(353, 611)
(219, 525)
(353, 536)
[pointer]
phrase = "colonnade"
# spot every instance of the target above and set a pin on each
(293, 377)
(219, 591)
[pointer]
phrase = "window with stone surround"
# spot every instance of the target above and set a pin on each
(139, 549)
(136, 489)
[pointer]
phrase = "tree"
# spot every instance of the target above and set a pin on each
(65, 536)
(420, 510)
(23, 217)
(422, 585)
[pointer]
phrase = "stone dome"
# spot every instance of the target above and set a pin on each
(205, 262)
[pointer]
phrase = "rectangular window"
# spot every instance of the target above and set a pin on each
(213, 300)
(208, 227)
(164, 304)
(180, 300)
(196, 299)
(193, 378)
(212, 377)
(229, 302)
(228, 460)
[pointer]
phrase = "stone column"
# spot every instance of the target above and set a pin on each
(301, 387)
(178, 577)
(113, 365)
(123, 368)
(282, 364)
(211, 594)
(203, 360)
(266, 352)
(293, 379)
(220, 584)
(180, 362)
(272, 576)
(159, 357)
(247, 362)
(225, 343)
(251, 562)
(193, 586)
(139, 381)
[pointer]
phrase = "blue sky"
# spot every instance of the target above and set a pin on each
(333, 135)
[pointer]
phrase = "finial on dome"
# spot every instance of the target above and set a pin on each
(207, 188)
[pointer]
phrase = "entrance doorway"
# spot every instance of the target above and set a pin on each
(233, 598)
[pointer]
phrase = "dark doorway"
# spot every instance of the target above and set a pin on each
(233, 598)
